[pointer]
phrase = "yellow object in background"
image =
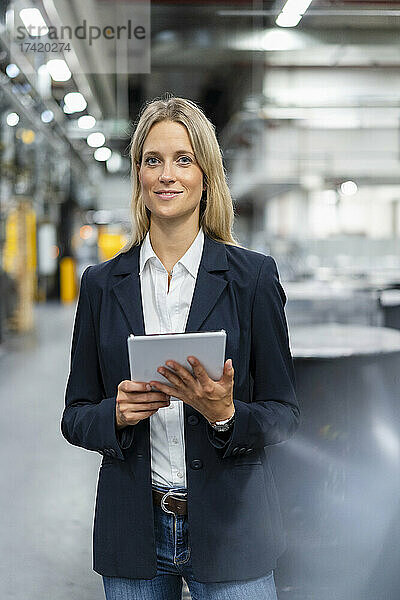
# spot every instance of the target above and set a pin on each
(109, 244)
(67, 279)
(19, 261)
(31, 240)
(20, 243)
(10, 253)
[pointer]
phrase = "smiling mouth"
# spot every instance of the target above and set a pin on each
(167, 195)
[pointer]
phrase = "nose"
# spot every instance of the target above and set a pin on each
(167, 173)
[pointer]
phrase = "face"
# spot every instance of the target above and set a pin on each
(169, 165)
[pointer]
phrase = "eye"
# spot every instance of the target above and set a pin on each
(186, 158)
(148, 159)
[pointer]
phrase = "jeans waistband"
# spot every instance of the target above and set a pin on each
(163, 488)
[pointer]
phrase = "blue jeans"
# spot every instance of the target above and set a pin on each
(173, 563)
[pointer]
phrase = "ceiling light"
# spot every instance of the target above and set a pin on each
(296, 6)
(12, 70)
(43, 82)
(292, 12)
(12, 119)
(47, 116)
(114, 163)
(75, 102)
(102, 154)
(43, 70)
(288, 20)
(95, 140)
(86, 122)
(33, 20)
(58, 69)
(28, 136)
(348, 188)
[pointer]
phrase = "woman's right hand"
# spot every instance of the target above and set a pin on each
(135, 402)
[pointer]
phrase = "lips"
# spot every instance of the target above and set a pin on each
(166, 195)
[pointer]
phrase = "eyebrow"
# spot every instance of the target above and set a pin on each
(175, 153)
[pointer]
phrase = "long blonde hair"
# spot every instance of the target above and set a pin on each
(216, 205)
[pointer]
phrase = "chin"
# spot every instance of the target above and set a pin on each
(168, 214)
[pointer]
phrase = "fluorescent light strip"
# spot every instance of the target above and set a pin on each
(288, 20)
(292, 13)
(33, 20)
(59, 69)
(297, 7)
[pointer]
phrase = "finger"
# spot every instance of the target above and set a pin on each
(228, 371)
(148, 406)
(156, 397)
(183, 373)
(171, 376)
(132, 386)
(199, 371)
(142, 398)
(167, 389)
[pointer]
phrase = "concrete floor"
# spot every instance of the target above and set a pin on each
(48, 486)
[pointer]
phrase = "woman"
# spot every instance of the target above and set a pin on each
(185, 487)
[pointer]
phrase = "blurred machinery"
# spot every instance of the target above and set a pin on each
(338, 478)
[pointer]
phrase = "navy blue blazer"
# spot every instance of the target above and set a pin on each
(234, 518)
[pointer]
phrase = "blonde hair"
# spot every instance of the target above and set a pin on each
(216, 205)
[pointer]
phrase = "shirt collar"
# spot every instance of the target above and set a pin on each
(190, 260)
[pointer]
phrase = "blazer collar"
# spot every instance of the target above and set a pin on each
(213, 258)
(190, 260)
(209, 286)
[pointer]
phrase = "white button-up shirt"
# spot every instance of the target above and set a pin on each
(167, 312)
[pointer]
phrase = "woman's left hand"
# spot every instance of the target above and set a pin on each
(213, 399)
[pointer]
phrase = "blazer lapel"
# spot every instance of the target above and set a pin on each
(127, 289)
(209, 286)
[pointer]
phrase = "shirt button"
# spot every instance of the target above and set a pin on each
(175, 440)
(180, 475)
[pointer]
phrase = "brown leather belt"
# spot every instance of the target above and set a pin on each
(173, 502)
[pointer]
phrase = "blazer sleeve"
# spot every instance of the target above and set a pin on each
(274, 413)
(89, 418)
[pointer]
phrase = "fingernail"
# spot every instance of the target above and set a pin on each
(191, 361)
(229, 364)
(148, 387)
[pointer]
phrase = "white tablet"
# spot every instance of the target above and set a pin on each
(148, 352)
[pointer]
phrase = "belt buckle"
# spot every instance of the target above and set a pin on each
(164, 498)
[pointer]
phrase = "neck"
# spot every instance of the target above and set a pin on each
(171, 244)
